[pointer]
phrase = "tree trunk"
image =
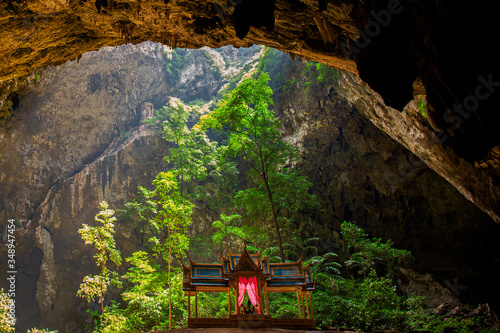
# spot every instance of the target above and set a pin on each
(275, 219)
(169, 283)
(263, 175)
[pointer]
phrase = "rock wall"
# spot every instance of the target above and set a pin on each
(361, 174)
(70, 117)
(76, 140)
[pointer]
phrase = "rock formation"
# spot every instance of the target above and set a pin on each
(386, 189)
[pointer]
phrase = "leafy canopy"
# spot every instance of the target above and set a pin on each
(102, 238)
(192, 151)
(228, 230)
(172, 217)
(254, 135)
(373, 253)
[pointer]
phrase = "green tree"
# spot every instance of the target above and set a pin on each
(102, 238)
(254, 135)
(192, 150)
(147, 298)
(138, 213)
(172, 218)
(319, 76)
(229, 230)
(373, 253)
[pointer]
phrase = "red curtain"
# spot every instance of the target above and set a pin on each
(250, 286)
(242, 286)
(253, 294)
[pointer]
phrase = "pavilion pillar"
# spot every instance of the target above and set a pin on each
(266, 300)
(303, 306)
(189, 305)
(307, 306)
(196, 304)
(236, 301)
(300, 307)
(228, 302)
(311, 304)
(237, 295)
(261, 309)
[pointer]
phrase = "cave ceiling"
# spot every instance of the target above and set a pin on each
(443, 49)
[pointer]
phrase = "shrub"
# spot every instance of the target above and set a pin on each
(175, 64)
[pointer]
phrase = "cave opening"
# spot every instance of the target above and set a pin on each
(447, 46)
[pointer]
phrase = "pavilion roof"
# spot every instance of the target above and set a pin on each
(277, 276)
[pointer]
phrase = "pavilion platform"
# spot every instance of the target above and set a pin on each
(251, 321)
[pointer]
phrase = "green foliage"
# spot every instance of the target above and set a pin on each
(148, 301)
(325, 264)
(254, 136)
(158, 118)
(145, 278)
(458, 324)
(174, 64)
(101, 237)
(196, 157)
(289, 191)
(369, 304)
(274, 254)
(6, 321)
(154, 297)
(201, 247)
(222, 175)
(326, 75)
(229, 230)
(284, 305)
(113, 320)
(148, 297)
(213, 305)
(36, 330)
(191, 154)
(270, 61)
(277, 64)
(232, 232)
(319, 76)
(139, 213)
(197, 102)
(421, 106)
(172, 217)
(372, 302)
(233, 83)
(148, 312)
(368, 254)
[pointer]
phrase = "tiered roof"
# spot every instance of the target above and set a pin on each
(279, 277)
